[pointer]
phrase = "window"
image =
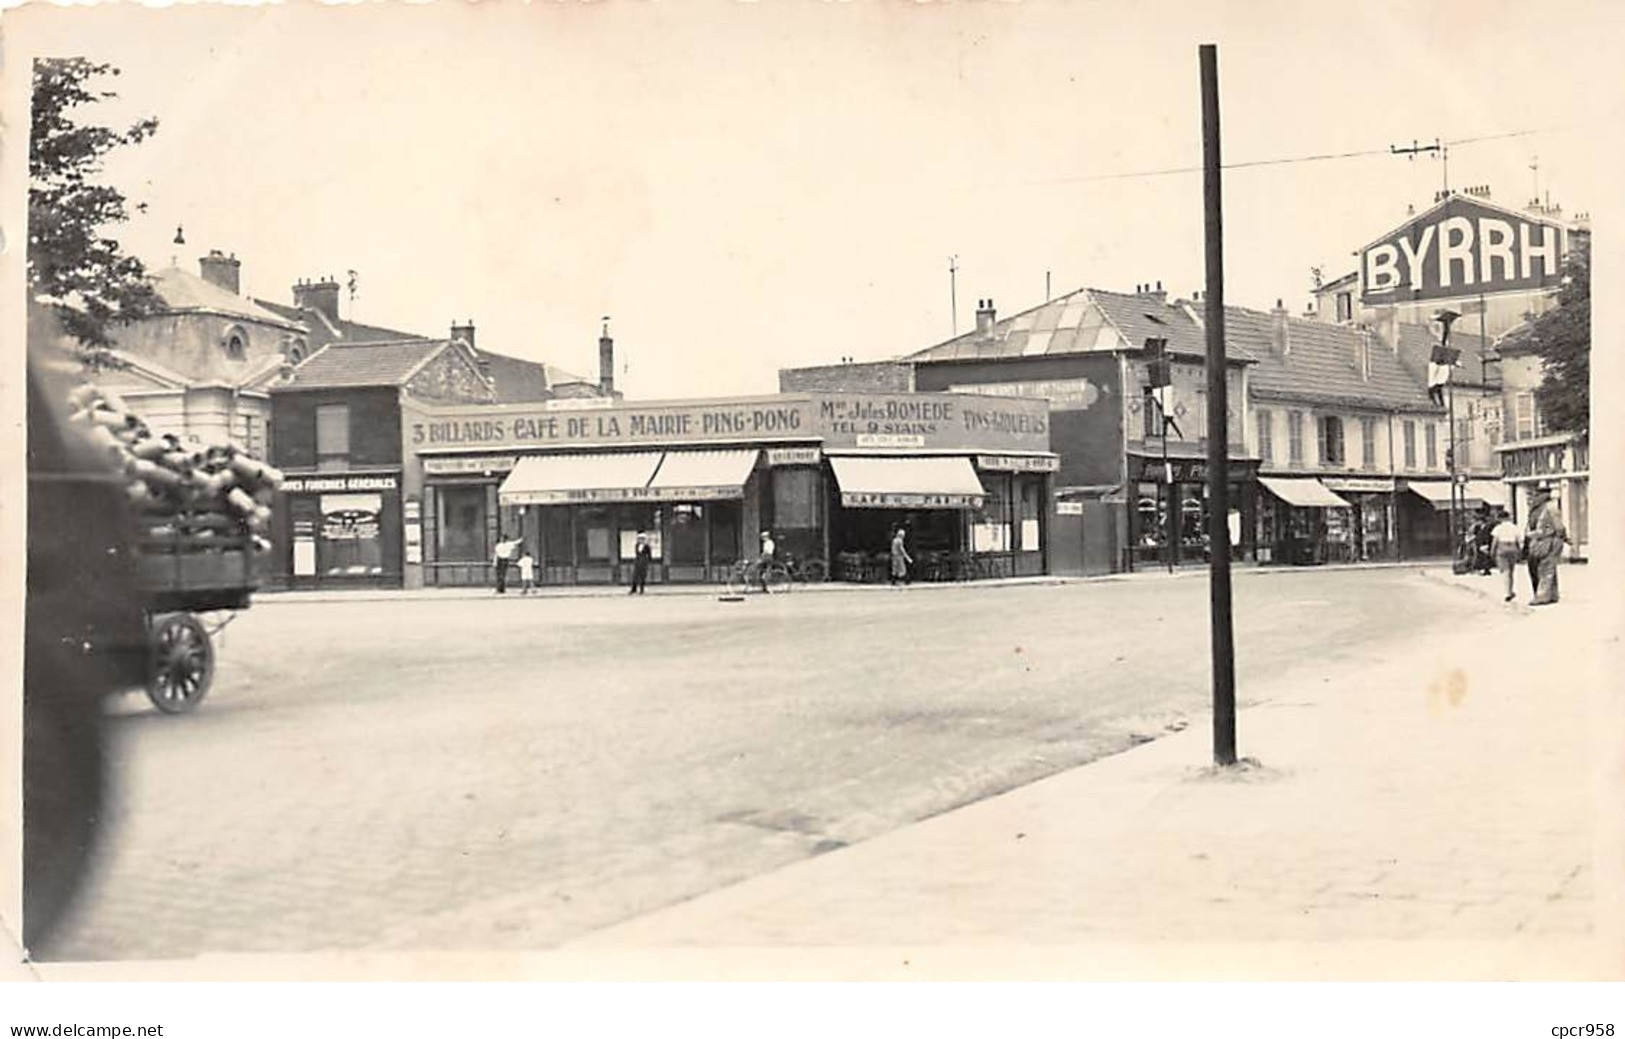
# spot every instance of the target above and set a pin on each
(1410, 444)
(1492, 422)
(1368, 441)
(1432, 432)
(1294, 433)
(1153, 414)
(235, 342)
(1345, 306)
(460, 524)
(1524, 405)
(1266, 436)
(1331, 440)
(333, 436)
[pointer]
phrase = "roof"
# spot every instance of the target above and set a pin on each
(1337, 283)
(1321, 364)
(325, 330)
(1416, 347)
(516, 379)
(184, 291)
(557, 375)
(1084, 321)
(364, 364)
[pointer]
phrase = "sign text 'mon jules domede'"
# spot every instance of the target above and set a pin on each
(925, 420)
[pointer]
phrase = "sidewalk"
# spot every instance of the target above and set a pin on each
(271, 597)
(1443, 801)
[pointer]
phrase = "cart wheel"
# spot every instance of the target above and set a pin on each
(182, 663)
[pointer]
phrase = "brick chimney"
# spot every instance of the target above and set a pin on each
(985, 317)
(1280, 330)
(606, 362)
(1156, 292)
(220, 270)
(321, 295)
(464, 332)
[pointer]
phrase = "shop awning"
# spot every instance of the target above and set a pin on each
(702, 475)
(907, 483)
(1437, 494)
(1305, 493)
(563, 479)
(1490, 492)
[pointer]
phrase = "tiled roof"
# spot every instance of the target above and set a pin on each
(182, 290)
(516, 379)
(325, 330)
(363, 364)
(1416, 346)
(1081, 322)
(1321, 364)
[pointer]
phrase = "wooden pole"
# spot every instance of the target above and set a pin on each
(1218, 426)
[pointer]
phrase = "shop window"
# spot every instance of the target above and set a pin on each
(460, 525)
(990, 525)
(350, 545)
(1410, 444)
(1294, 432)
(595, 535)
(1152, 414)
(1368, 441)
(725, 523)
(556, 535)
(1331, 440)
(1031, 529)
(633, 520)
(1266, 435)
(688, 535)
(1431, 433)
(333, 436)
(795, 498)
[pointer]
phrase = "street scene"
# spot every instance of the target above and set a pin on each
(600, 480)
(533, 771)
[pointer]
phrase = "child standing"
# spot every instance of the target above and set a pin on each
(527, 573)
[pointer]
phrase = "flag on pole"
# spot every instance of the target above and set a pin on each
(1443, 358)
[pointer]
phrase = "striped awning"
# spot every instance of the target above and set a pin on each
(702, 475)
(1305, 492)
(567, 479)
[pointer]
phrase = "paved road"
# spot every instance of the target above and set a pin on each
(515, 773)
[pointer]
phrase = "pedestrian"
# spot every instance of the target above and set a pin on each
(768, 548)
(1506, 537)
(641, 557)
(527, 573)
(900, 559)
(1483, 542)
(500, 559)
(1545, 536)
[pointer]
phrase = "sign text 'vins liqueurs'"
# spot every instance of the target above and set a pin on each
(1460, 249)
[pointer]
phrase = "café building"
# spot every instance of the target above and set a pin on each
(830, 475)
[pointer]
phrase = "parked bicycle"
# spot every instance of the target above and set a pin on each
(806, 570)
(755, 575)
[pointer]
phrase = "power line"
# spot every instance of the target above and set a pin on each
(1286, 161)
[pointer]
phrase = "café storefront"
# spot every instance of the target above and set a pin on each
(1168, 517)
(831, 475)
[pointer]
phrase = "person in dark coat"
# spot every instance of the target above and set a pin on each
(641, 557)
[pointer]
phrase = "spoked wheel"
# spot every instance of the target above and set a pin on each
(814, 571)
(182, 663)
(775, 579)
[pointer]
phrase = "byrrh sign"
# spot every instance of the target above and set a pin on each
(1461, 247)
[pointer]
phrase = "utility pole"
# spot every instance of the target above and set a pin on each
(1435, 148)
(953, 292)
(1218, 425)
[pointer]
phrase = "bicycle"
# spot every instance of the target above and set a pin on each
(806, 570)
(757, 575)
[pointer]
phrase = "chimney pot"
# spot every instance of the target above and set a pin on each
(220, 272)
(322, 296)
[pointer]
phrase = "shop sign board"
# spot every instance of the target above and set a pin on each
(340, 483)
(1018, 463)
(1359, 484)
(873, 500)
(1542, 460)
(941, 421)
(794, 455)
(1061, 394)
(1069, 508)
(454, 465)
(1461, 247)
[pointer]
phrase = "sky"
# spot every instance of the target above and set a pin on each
(742, 187)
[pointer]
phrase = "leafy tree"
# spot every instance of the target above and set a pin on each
(74, 270)
(1562, 338)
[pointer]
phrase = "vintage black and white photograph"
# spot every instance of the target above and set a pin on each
(1034, 488)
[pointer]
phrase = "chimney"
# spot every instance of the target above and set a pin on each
(606, 362)
(985, 316)
(464, 332)
(321, 296)
(1280, 331)
(1362, 353)
(220, 270)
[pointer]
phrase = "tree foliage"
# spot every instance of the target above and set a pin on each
(1562, 338)
(74, 269)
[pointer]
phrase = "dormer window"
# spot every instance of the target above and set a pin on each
(235, 342)
(294, 348)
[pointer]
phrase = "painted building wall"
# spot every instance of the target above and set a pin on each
(375, 426)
